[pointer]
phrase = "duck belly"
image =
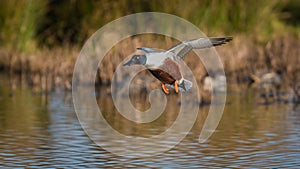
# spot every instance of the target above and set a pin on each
(163, 76)
(168, 72)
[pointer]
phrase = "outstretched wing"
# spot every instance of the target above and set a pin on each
(183, 48)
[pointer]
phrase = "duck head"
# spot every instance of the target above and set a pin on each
(136, 60)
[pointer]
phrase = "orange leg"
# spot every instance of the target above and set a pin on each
(176, 86)
(165, 89)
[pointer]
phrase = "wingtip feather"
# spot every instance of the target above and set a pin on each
(220, 41)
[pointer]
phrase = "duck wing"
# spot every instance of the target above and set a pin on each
(183, 48)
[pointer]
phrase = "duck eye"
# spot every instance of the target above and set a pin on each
(138, 57)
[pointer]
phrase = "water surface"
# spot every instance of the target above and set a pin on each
(43, 131)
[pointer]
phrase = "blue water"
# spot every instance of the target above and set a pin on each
(38, 131)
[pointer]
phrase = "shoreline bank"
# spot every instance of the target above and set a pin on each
(242, 57)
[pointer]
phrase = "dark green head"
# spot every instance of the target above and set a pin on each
(136, 60)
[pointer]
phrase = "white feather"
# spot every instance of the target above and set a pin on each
(154, 60)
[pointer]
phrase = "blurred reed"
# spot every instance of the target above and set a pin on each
(26, 25)
(41, 39)
(19, 21)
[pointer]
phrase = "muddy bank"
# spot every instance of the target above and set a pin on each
(44, 71)
(50, 69)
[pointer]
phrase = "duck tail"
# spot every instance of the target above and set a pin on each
(185, 85)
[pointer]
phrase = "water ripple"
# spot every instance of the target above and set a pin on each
(245, 139)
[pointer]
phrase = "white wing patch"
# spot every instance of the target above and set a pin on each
(154, 60)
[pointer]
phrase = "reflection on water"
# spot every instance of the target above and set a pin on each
(38, 131)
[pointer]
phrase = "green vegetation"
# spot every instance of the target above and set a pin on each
(40, 39)
(26, 24)
(19, 21)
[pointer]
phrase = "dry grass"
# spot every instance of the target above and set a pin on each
(53, 69)
(44, 70)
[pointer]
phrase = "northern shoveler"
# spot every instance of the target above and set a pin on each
(164, 65)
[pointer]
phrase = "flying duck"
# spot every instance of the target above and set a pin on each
(164, 64)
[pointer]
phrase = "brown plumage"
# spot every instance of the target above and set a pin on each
(164, 64)
(168, 72)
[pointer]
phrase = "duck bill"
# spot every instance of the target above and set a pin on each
(129, 63)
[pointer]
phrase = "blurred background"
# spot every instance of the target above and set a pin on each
(41, 39)
(27, 26)
(46, 36)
